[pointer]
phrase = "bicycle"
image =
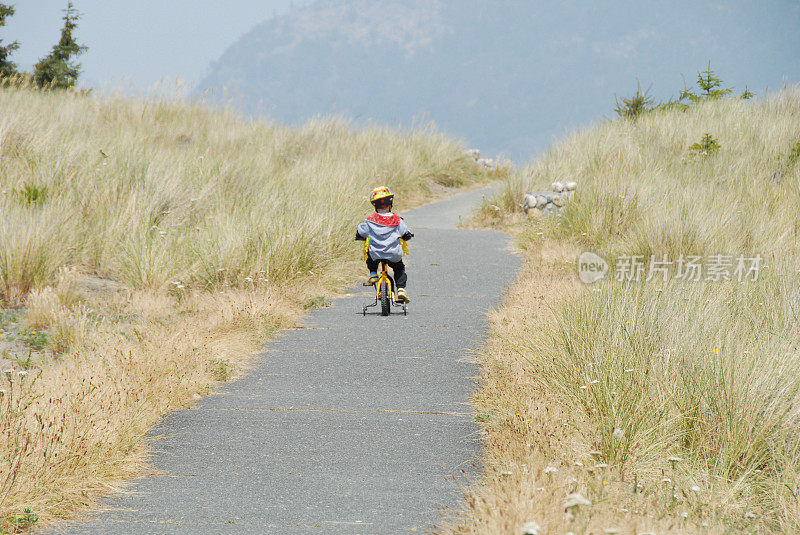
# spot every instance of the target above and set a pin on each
(385, 293)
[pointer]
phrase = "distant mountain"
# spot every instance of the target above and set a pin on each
(507, 76)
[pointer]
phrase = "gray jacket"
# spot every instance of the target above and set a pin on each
(384, 236)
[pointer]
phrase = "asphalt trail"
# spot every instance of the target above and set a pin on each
(349, 424)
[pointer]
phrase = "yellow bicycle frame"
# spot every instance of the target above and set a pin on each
(384, 277)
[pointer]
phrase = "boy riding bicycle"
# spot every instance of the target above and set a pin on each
(385, 230)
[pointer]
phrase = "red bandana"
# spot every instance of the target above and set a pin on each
(384, 220)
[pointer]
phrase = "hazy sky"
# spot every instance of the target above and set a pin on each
(143, 40)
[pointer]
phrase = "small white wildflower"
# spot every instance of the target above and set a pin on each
(249, 279)
(666, 480)
(531, 528)
(694, 488)
(550, 470)
(673, 461)
(22, 374)
(684, 514)
(628, 370)
(618, 433)
(575, 500)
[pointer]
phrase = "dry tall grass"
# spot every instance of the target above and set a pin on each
(673, 406)
(157, 192)
(158, 244)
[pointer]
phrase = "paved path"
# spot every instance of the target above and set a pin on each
(349, 424)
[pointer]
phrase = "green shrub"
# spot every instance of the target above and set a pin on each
(32, 194)
(707, 146)
(220, 369)
(21, 522)
(634, 106)
(318, 302)
(794, 153)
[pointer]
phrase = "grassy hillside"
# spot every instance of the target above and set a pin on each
(670, 404)
(146, 249)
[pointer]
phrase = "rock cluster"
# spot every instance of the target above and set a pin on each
(475, 154)
(549, 202)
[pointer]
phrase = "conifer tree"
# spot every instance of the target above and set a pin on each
(57, 69)
(634, 106)
(7, 67)
(710, 87)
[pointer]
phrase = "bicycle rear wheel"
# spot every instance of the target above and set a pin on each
(385, 299)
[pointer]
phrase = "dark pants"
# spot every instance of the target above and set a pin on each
(399, 268)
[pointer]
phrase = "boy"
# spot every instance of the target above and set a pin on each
(384, 230)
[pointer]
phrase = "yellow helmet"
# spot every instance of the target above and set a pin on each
(381, 192)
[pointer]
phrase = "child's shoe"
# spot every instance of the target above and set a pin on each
(373, 278)
(401, 296)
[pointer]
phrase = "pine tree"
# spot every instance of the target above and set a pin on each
(634, 106)
(7, 67)
(56, 70)
(710, 87)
